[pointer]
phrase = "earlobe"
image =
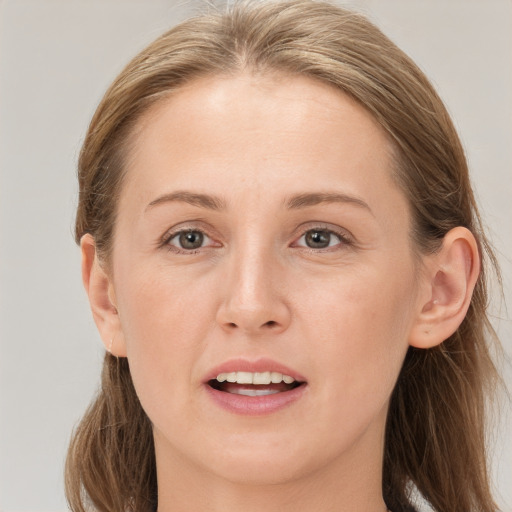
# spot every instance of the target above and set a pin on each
(448, 282)
(100, 291)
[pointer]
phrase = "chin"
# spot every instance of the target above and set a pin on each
(263, 471)
(267, 460)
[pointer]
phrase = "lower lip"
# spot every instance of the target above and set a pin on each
(255, 405)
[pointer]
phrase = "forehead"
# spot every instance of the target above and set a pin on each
(257, 100)
(268, 132)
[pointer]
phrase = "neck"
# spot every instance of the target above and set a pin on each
(326, 496)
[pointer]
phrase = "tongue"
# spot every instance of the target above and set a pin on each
(233, 387)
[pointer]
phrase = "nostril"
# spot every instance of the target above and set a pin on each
(271, 323)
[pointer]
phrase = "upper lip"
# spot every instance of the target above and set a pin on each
(257, 365)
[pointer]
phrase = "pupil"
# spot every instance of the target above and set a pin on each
(318, 239)
(191, 239)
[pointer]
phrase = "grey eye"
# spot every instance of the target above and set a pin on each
(318, 239)
(189, 239)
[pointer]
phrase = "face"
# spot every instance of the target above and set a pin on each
(260, 238)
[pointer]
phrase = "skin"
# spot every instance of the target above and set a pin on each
(342, 316)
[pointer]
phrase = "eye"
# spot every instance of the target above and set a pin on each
(320, 239)
(188, 240)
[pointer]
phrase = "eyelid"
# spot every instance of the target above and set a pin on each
(171, 233)
(345, 237)
(177, 233)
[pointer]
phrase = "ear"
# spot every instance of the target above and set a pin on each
(447, 285)
(100, 291)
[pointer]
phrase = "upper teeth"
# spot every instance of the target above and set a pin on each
(255, 378)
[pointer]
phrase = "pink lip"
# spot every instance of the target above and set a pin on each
(257, 405)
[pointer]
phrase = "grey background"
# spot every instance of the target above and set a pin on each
(56, 59)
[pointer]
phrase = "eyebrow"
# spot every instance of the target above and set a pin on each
(202, 200)
(295, 202)
(311, 199)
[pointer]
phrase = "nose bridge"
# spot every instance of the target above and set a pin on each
(252, 273)
(253, 299)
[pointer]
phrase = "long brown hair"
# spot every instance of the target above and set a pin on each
(435, 434)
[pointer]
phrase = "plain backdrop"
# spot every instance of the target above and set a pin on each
(56, 59)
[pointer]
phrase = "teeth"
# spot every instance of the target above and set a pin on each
(261, 378)
(276, 377)
(254, 392)
(244, 377)
(258, 378)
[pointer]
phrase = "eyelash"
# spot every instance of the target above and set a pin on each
(344, 240)
(167, 241)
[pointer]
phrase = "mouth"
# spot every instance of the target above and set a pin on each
(258, 387)
(254, 384)
(255, 388)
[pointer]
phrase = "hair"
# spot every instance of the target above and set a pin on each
(435, 441)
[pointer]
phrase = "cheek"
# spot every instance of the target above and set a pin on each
(360, 325)
(165, 323)
(162, 308)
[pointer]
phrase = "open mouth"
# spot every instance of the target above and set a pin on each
(254, 384)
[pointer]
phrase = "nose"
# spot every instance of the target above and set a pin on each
(254, 299)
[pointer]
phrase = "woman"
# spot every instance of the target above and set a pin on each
(285, 262)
